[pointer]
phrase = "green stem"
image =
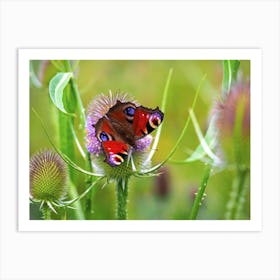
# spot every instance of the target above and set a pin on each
(82, 117)
(201, 190)
(240, 184)
(77, 95)
(242, 195)
(122, 192)
(80, 109)
(46, 212)
(238, 193)
(89, 200)
(77, 205)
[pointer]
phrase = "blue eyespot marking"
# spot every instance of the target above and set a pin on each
(129, 111)
(103, 136)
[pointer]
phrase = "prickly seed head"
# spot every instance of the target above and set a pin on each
(47, 176)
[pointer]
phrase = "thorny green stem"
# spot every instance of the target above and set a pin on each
(242, 194)
(237, 196)
(46, 212)
(66, 141)
(78, 207)
(74, 87)
(82, 117)
(80, 108)
(240, 184)
(122, 192)
(200, 193)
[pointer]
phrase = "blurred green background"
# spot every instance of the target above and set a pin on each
(167, 197)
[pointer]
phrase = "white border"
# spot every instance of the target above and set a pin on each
(254, 55)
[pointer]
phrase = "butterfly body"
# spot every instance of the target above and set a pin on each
(122, 126)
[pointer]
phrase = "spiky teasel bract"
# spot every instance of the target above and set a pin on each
(48, 178)
(97, 109)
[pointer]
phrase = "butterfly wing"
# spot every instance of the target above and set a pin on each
(134, 122)
(116, 152)
(121, 116)
(114, 148)
(123, 124)
(146, 121)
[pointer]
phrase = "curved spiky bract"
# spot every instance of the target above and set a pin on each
(47, 176)
(134, 162)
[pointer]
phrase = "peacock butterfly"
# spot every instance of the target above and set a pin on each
(122, 126)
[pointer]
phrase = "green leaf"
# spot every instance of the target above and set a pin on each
(229, 75)
(56, 90)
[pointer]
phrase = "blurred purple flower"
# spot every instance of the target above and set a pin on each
(162, 183)
(237, 99)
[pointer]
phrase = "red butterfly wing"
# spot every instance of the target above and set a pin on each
(113, 147)
(123, 124)
(131, 122)
(145, 121)
(119, 112)
(121, 118)
(105, 131)
(115, 151)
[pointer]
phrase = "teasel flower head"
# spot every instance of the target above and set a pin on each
(236, 102)
(48, 178)
(233, 122)
(136, 159)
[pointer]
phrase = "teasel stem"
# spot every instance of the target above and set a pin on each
(74, 87)
(242, 195)
(122, 193)
(240, 185)
(82, 117)
(46, 211)
(200, 193)
(81, 111)
(238, 193)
